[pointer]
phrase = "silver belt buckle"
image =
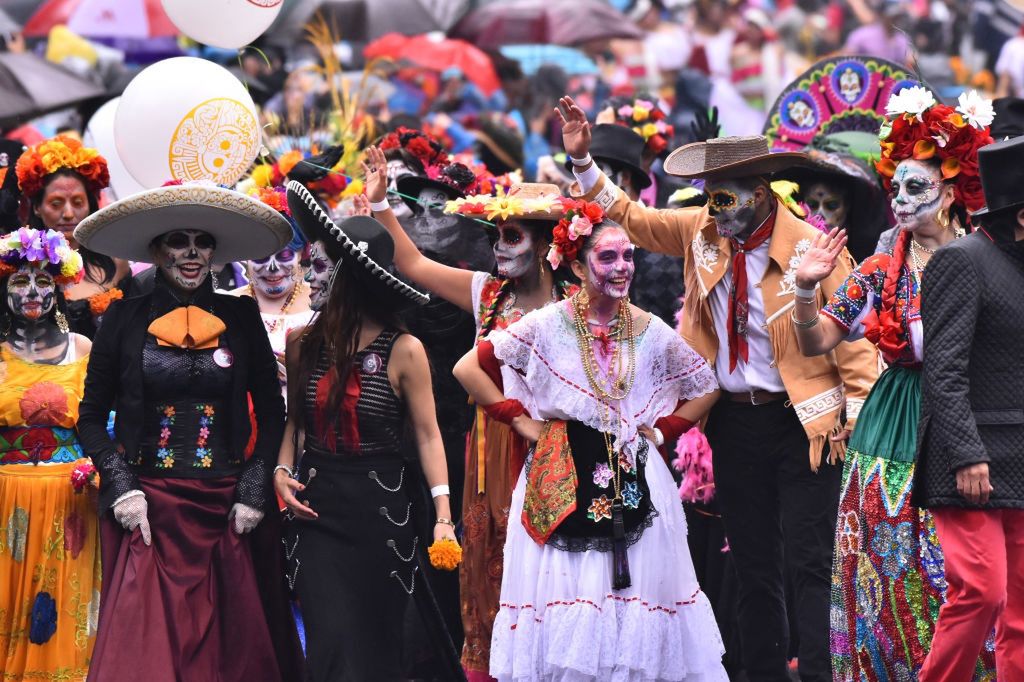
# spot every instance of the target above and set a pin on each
(753, 400)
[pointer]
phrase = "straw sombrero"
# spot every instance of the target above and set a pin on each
(727, 158)
(365, 245)
(523, 201)
(243, 226)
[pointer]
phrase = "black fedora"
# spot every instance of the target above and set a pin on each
(620, 147)
(1000, 168)
(365, 245)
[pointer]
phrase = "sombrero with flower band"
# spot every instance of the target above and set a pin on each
(46, 249)
(524, 200)
(61, 152)
(364, 242)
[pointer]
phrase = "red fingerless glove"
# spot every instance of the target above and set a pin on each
(505, 411)
(672, 427)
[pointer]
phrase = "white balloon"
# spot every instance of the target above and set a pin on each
(223, 23)
(186, 119)
(99, 134)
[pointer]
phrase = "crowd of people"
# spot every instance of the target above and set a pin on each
(702, 366)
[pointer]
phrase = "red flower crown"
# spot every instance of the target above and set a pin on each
(578, 221)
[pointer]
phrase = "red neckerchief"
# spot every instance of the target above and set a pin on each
(738, 306)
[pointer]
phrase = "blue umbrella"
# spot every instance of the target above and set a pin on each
(532, 57)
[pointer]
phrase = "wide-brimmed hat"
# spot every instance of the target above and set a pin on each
(1000, 167)
(243, 226)
(727, 158)
(365, 245)
(522, 201)
(621, 147)
(453, 179)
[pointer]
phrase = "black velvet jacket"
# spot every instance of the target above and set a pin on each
(114, 381)
(972, 390)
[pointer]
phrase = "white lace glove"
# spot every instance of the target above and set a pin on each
(130, 510)
(246, 518)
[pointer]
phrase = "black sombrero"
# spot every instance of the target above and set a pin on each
(364, 242)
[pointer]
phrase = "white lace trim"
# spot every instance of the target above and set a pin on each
(549, 377)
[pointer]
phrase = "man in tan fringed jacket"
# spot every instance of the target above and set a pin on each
(778, 431)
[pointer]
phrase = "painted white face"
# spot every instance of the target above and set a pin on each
(397, 169)
(184, 257)
(321, 268)
(828, 203)
(731, 204)
(610, 264)
(431, 198)
(916, 194)
(31, 293)
(274, 276)
(513, 252)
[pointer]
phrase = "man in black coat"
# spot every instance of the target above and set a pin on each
(970, 470)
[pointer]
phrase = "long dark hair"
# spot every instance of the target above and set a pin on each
(96, 264)
(337, 327)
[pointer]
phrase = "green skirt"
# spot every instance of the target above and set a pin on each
(887, 425)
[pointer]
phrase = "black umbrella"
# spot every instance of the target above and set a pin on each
(32, 86)
(365, 20)
(551, 22)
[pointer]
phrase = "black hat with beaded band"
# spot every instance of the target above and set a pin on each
(365, 246)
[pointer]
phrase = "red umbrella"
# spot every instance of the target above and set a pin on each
(102, 19)
(438, 55)
(550, 22)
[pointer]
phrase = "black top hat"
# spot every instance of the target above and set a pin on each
(620, 147)
(1009, 120)
(1000, 166)
(365, 244)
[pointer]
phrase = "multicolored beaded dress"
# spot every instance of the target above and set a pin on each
(888, 579)
(49, 544)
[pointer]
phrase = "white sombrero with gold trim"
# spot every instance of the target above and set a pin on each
(243, 226)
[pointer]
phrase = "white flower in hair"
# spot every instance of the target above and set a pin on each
(976, 110)
(912, 101)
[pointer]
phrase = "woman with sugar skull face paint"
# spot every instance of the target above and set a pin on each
(358, 381)
(884, 543)
(182, 509)
(44, 478)
(525, 280)
(596, 534)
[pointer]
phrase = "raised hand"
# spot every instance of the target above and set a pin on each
(375, 174)
(575, 128)
(705, 127)
(361, 205)
(821, 259)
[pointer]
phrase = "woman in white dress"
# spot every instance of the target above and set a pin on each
(598, 581)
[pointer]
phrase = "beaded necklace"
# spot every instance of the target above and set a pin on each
(272, 326)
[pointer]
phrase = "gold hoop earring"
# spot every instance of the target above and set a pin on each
(942, 217)
(62, 322)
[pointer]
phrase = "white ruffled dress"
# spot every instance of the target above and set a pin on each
(559, 618)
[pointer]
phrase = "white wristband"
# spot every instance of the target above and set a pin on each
(659, 437)
(803, 293)
(439, 490)
(581, 162)
(378, 206)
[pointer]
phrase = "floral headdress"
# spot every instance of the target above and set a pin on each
(59, 152)
(426, 148)
(513, 203)
(578, 221)
(274, 176)
(48, 250)
(647, 120)
(920, 128)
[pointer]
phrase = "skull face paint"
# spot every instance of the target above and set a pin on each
(916, 194)
(31, 293)
(731, 204)
(828, 202)
(274, 276)
(513, 252)
(319, 275)
(397, 169)
(431, 198)
(610, 264)
(184, 258)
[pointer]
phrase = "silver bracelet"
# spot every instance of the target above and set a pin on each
(283, 467)
(805, 324)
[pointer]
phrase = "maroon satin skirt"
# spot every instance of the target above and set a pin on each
(193, 606)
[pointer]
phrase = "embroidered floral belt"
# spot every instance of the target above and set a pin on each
(34, 444)
(188, 438)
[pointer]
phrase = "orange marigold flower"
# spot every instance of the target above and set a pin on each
(99, 303)
(288, 161)
(445, 554)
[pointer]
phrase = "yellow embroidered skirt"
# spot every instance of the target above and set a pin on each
(49, 574)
